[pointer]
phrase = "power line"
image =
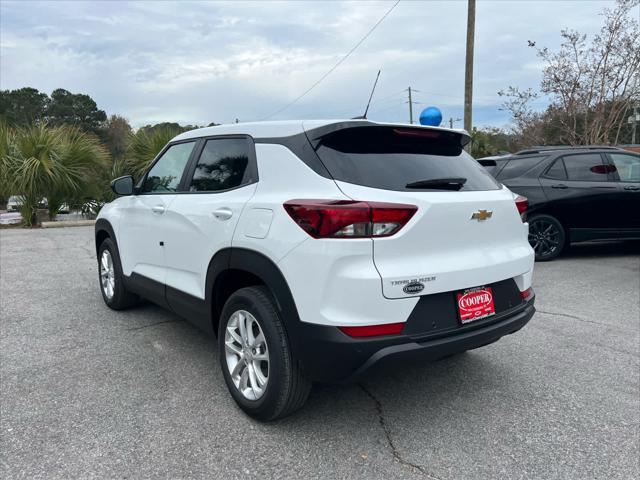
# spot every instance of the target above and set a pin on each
(336, 65)
(387, 97)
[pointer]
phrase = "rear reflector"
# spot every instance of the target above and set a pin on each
(349, 218)
(527, 294)
(373, 330)
(522, 204)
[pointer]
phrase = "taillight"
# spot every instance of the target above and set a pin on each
(349, 218)
(522, 204)
(527, 294)
(373, 330)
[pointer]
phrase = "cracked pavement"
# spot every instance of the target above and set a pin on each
(86, 392)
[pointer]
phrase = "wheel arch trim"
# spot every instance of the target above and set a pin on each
(262, 267)
(103, 225)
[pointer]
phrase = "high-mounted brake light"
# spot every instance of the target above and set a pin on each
(349, 218)
(373, 330)
(522, 204)
(416, 132)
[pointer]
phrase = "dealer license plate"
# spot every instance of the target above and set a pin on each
(475, 303)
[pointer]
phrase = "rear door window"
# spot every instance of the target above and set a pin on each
(391, 158)
(223, 164)
(586, 167)
(516, 167)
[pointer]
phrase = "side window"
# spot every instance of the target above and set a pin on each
(586, 167)
(222, 165)
(627, 166)
(165, 175)
(517, 166)
(557, 170)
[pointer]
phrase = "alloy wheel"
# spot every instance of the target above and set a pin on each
(544, 237)
(247, 354)
(107, 274)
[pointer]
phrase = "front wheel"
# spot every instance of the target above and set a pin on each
(259, 369)
(546, 236)
(114, 293)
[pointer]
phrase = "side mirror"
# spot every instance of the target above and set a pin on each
(123, 185)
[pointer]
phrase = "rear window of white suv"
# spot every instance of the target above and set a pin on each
(402, 159)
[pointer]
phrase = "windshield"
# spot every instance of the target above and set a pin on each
(391, 158)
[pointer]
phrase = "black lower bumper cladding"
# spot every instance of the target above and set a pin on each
(328, 355)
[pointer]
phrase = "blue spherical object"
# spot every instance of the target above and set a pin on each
(431, 116)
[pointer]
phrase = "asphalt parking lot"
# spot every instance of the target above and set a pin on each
(91, 393)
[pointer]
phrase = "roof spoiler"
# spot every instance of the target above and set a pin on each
(460, 137)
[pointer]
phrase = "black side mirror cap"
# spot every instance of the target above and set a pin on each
(123, 185)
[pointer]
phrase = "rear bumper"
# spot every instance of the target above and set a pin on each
(328, 355)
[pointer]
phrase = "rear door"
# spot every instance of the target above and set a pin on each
(461, 236)
(626, 211)
(581, 191)
(201, 220)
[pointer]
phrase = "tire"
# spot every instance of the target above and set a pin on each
(116, 296)
(547, 237)
(264, 389)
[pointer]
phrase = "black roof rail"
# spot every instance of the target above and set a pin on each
(552, 148)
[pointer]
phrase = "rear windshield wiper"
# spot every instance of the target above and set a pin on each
(455, 183)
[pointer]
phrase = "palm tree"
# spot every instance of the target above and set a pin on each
(6, 145)
(51, 162)
(82, 157)
(145, 144)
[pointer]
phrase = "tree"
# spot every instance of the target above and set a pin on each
(592, 85)
(115, 135)
(490, 141)
(75, 109)
(6, 146)
(51, 162)
(23, 106)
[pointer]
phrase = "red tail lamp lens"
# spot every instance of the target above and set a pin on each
(527, 294)
(349, 218)
(522, 204)
(373, 330)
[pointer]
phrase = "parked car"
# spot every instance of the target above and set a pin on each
(13, 203)
(314, 250)
(575, 194)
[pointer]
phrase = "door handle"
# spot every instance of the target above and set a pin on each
(223, 213)
(632, 188)
(158, 209)
(561, 186)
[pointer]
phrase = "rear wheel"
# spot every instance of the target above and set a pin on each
(546, 236)
(259, 369)
(114, 293)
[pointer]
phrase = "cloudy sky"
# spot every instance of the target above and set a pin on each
(199, 62)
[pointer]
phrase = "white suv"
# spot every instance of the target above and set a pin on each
(316, 249)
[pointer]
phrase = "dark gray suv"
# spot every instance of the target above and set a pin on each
(575, 194)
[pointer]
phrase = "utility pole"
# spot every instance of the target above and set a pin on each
(411, 110)
(468, 71)
(411, 102)
(452, 121)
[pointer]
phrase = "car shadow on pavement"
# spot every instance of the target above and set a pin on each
(603, 249)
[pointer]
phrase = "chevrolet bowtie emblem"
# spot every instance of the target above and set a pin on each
(481, 215)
